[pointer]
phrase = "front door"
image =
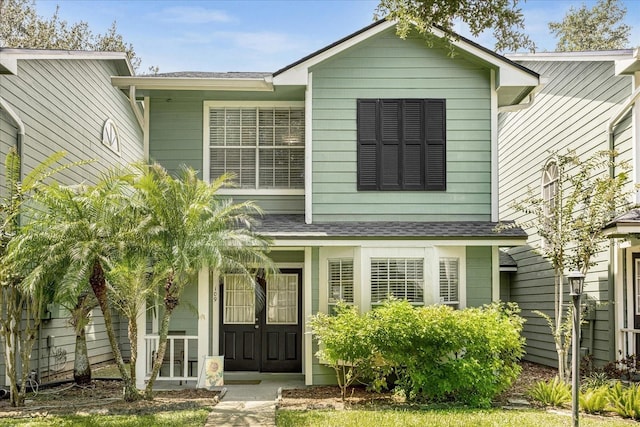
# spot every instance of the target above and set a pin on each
(263, 333)
(636, 302)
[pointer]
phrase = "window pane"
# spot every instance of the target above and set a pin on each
(340, 280)
(239, 300)
(282, 299)
(449, 280)
(235, 134)
(401, 278)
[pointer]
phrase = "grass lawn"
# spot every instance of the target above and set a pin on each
(160, 419)
(436, 418)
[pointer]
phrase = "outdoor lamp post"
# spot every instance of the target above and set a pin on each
(576, 283)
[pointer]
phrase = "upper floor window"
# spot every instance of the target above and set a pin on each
(550, 178)
(402, 144)
(263, 146)
(401, 278)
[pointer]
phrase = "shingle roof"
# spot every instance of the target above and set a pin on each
(212, 75)
(507, 260)
(293, 226)
(631, 217)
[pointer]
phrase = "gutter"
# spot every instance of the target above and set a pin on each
(4, 105)
(622, 111)
(530, 98)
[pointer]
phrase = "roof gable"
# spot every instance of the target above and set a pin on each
(513, 81)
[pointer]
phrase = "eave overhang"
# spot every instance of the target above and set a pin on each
(629, 66)
(624, 225)
(193, 83)
(9, 58)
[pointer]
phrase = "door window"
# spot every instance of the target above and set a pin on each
(282, 299)
(239, 300)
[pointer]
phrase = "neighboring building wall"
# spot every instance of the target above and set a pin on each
(64, 105)
(386, 66)
(570, 112)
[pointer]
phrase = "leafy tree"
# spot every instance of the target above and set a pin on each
(588, 195)
(502, 16)
(21, 303)
(598, 28)
(191, 228)
(78, 233)
(22, 27)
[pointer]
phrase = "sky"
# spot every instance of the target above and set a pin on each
(264, 35)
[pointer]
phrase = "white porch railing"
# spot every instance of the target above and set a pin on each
(180, 361)
(628, 343)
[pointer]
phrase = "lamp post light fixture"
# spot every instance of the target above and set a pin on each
(576, 284)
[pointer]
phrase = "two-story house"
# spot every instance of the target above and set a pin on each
(588, 104)
(375, 159)
(54, 101)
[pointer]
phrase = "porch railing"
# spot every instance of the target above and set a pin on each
(180, 360)
(629, 344)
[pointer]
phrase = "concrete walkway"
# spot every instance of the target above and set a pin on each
(251, 404)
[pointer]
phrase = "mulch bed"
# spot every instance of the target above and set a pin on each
(328, 397)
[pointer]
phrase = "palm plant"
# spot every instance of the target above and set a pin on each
(78, 232)
(191, 228)
(20, 304)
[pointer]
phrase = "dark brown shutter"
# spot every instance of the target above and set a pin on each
(436, 158)
(390, 177)
(367, 144)
(413, 157)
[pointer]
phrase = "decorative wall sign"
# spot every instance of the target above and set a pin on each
(212, 372)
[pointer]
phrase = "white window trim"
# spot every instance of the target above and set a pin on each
(452, 252)
(429, 265)
(327, 253)
(206, 155)
(111, 124)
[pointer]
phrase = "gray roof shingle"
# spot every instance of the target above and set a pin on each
(211, 75)
(293, 226)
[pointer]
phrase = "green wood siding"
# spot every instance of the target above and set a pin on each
(479, 286)
(388, 67)
(571, 111)
(321, 374)
(176, 135)
(63, 105)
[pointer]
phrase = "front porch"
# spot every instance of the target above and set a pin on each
(212, 316)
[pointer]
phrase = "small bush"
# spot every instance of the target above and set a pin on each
(434, 353)
(595, 380)
(554, 393)
(594, 400)
(625, 401)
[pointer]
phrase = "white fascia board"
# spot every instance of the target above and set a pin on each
(191, 83)
(508, 74)
(621, 230)
(593, 56)
(298, 75)
(280, 240)
(629, 65)
(13, 55)
(8, 65)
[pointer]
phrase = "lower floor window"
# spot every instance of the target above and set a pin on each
(402, 278)
(449, 281)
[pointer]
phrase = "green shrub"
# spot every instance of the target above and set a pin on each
(625, 401)
(434, 353)
(554, 392)
(344, 342)
(594, 400)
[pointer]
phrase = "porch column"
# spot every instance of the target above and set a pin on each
(141, 343)
(203, 317)
(307, 352)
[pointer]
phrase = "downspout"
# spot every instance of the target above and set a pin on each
(611, 124)
(134, 106)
